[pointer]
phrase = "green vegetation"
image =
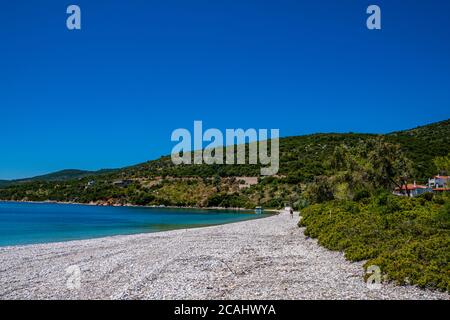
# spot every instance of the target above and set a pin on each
(408, 238)
(352, 210)
(4, 183)
(351, 172)
(303, 160)
(443, 164)
(421, 145)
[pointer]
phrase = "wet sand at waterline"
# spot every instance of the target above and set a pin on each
(266, 258)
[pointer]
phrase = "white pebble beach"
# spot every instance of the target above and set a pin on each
(267, 258)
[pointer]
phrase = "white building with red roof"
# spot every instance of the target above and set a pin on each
(412, 189)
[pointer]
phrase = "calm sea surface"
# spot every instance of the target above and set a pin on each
(26, 223)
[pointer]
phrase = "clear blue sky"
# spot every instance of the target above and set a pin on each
(111, 94)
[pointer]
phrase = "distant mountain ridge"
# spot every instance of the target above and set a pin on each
(62, 175)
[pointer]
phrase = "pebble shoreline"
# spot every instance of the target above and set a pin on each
(266, 258)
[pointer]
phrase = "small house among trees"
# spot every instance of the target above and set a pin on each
(412, 190)
(436, 184)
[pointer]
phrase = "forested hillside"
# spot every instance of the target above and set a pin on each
(160, 182)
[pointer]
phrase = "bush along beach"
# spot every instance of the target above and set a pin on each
(408, 238)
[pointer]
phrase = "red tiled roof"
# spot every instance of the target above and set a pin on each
(412, 187)
(441, 189)
(442, 177)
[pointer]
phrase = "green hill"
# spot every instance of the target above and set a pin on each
(63, 175)
(302, 157)
(160, 182)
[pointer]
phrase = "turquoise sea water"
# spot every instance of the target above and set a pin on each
(26, 223)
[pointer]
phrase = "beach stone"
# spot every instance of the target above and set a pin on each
(266, 258)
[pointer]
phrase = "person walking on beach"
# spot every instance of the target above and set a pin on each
(292, 213)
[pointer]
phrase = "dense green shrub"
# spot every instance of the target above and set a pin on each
(408, 238)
